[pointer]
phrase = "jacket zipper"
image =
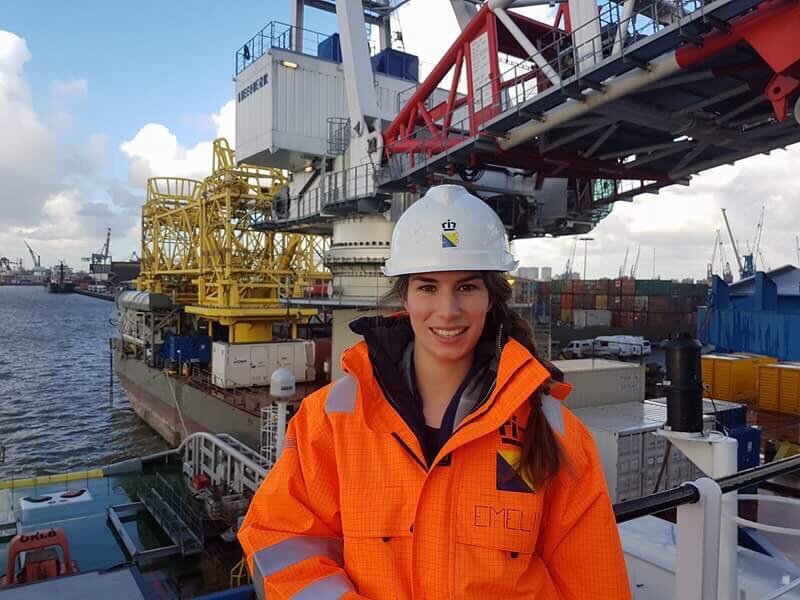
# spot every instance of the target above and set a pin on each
(408, 449)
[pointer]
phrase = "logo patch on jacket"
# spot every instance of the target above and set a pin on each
(508, 479)
(449, 234)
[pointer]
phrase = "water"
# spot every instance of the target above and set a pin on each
(60, 408)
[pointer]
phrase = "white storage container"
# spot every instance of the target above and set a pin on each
(597, 382)
(582, 317)
(631, 453)
(247, 365)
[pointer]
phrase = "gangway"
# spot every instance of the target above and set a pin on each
(642, 95)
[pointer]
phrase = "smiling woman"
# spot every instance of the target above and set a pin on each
(443, 464)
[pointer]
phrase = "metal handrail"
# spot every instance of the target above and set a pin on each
(688, 493)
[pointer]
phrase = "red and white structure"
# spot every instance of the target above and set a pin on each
(617, 99)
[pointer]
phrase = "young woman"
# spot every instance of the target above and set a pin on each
(443, 464)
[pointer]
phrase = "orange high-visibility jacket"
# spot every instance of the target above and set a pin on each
(351, 510)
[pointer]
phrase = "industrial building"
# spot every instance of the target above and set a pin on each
(759, 314)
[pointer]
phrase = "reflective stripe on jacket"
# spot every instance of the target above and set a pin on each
(351, 510)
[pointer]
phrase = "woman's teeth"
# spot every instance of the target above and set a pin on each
(448, 333)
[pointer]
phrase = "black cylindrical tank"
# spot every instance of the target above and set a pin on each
(685, 389)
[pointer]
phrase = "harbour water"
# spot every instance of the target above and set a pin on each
(61, 408)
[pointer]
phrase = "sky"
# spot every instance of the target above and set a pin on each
(95, 97)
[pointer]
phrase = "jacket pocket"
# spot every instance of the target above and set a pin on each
(379, 565)
(376, 521)
(498, 531)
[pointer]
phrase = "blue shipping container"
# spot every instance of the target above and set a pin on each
(330, 48)
(195, 348)
(749, 453)
(731, 418)
(397, 64)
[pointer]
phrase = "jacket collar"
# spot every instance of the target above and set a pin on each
(518, 375)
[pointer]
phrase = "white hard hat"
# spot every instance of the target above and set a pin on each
(448, 229)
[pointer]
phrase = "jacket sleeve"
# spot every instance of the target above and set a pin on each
(292, 534)
(581, 545)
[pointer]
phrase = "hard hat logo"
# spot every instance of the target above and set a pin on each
(449, 235)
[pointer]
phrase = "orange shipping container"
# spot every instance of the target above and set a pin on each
(601, 302)
(566, 315)
(729, 377)
(779, 388)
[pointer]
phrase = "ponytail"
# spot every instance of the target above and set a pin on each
(541, 457)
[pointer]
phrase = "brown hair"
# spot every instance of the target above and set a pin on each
(541, 457)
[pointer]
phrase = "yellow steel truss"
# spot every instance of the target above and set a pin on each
(170, 238)
(202, 244)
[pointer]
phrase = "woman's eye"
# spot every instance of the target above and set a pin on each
(468, 287)
(427, 289)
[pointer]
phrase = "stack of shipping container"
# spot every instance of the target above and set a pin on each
(624, 303)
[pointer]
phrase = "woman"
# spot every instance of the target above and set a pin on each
(443, 464)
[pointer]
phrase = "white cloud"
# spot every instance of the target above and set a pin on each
(72, 88)
(155, 151)
(40, 197)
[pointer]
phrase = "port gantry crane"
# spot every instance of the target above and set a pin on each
(36, 258)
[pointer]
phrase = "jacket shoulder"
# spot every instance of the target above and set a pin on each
(578, 442)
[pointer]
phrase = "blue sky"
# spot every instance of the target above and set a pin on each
(166, 62)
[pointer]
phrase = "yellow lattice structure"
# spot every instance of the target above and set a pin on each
(205, 244)
(171, 238)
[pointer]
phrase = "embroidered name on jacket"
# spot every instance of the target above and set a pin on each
(502, 518)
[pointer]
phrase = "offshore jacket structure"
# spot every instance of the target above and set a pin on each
(352, 509)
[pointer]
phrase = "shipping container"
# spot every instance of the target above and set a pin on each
(566, 315)
(187, 349)
(601, 302)
(247, 365)
(628, 303)
(566, 300)
(640, 304)
(577, 286)
(749, 450)
(590, 318)
(779, 388)
(599, 381)
(729, 377)
(604, 286)
(699, 290)
(589, 286)
(626, 319)
(616, 319)
(555, 300)
(662, 304)
(630, 451)
(615, 303)
(628, 287)
(653, 287)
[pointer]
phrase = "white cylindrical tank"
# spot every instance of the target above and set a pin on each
(359, 249)
(282, 384)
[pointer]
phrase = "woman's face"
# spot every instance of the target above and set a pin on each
(447, 311)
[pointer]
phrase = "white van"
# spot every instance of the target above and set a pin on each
(578, 349)
(622, 345)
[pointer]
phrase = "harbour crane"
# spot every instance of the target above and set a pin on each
(745, 263)
(100, 261)
(710, 270)
(757, 245)
(570, 260)
(635, 265)
(624, 263)
(37, 259)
